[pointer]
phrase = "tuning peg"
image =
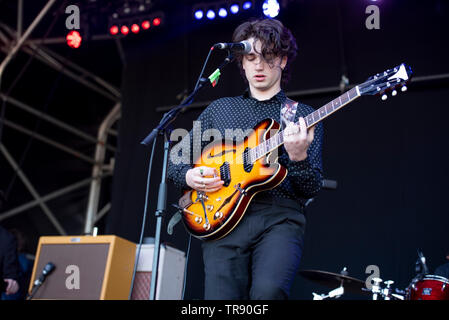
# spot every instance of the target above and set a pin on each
(404, 88)
(393, 93)
(384, 97)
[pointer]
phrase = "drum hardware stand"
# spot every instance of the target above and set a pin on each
(336, 293)
(385, 292)
(398, 296)
(375, 289)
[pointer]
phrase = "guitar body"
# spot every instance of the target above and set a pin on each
(224, 208)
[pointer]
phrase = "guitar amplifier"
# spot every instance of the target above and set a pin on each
(170, 277)
(86, 267)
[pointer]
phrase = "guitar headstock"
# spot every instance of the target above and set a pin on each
(389, 80)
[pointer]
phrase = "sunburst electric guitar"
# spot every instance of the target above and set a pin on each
(251, 166)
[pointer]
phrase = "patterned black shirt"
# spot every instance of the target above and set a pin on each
(238, 114)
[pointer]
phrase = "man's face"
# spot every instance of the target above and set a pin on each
(262, 76)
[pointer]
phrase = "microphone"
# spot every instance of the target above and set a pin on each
(240, 47)
(49, 267)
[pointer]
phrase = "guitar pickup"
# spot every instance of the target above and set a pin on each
(225, 173)
(247, 164)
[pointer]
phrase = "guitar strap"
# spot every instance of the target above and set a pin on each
(288, 112)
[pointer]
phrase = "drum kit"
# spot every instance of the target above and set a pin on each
(424, 286)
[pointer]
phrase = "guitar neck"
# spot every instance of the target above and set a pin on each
(330, 107)
(312, 119)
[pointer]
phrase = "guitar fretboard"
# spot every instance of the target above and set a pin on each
(310, 120)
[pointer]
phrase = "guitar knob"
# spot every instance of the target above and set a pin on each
(384, 97)
(198, 219)
(393, 93)
(218, 215)
(210, 207)
(404, 88)
(206, 226)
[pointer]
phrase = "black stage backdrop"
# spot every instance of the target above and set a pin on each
(389, 158)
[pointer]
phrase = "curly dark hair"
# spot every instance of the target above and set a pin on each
(276, 41)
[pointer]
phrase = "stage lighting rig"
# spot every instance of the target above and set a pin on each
(221, 9)
(133, 17)
(135, 24)
(271, 8)
(74, 39)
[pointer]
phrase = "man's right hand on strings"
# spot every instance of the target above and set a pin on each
(204, 179)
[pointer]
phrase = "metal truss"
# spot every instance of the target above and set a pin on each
(11, 41)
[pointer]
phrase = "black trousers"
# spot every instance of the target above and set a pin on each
(259, 259)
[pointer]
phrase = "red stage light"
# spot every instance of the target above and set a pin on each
(124, 30)
(74, 39)
(156, 22)
(113, 30)
(146, 25)
(135, 28)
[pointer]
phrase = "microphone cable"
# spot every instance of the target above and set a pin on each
(143, 218)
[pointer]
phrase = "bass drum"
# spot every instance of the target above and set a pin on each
(429, 287)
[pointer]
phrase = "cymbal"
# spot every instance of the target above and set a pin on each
(334, 280)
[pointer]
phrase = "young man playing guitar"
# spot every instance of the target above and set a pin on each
(260, 256)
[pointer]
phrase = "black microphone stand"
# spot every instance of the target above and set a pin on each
(163, 129)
